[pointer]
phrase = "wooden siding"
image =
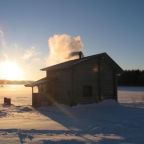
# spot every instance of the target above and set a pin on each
(98, 74)
(85, 74)
(107, 80)
(36, 99)
(58, 88)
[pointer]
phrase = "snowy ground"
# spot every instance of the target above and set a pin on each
(104, 123)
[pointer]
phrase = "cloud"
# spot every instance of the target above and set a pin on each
(61, 46)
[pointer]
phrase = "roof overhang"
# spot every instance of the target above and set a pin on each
(36, 83)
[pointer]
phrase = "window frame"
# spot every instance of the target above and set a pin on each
(87, 91)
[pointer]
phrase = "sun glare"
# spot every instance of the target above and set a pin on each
(10, 70)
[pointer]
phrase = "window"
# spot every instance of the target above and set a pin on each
(35, 89)
(87, 91)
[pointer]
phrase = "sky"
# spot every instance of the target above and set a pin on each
(112, 26)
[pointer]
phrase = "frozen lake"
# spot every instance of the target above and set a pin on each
(131, 94)
(21, 95)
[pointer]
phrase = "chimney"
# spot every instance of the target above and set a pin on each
(78, 53)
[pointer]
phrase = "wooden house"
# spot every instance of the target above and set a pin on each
(81, 81)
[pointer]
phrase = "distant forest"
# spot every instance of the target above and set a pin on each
(131, 78)
(20, 82)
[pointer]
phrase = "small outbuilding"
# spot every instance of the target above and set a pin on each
(81, 81)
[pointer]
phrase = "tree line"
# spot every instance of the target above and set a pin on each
(131, 78)
(19, 82)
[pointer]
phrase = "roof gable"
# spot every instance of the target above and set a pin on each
(75, 62)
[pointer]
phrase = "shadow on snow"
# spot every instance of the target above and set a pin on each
(107, 122)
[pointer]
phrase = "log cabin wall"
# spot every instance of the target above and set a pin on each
(85, 86)
(58, 88)
(107, 80)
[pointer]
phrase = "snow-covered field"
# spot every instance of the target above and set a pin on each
(103, 123)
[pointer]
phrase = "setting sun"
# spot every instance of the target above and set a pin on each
(10, 70)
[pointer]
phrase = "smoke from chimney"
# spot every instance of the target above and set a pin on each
(63, 48)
